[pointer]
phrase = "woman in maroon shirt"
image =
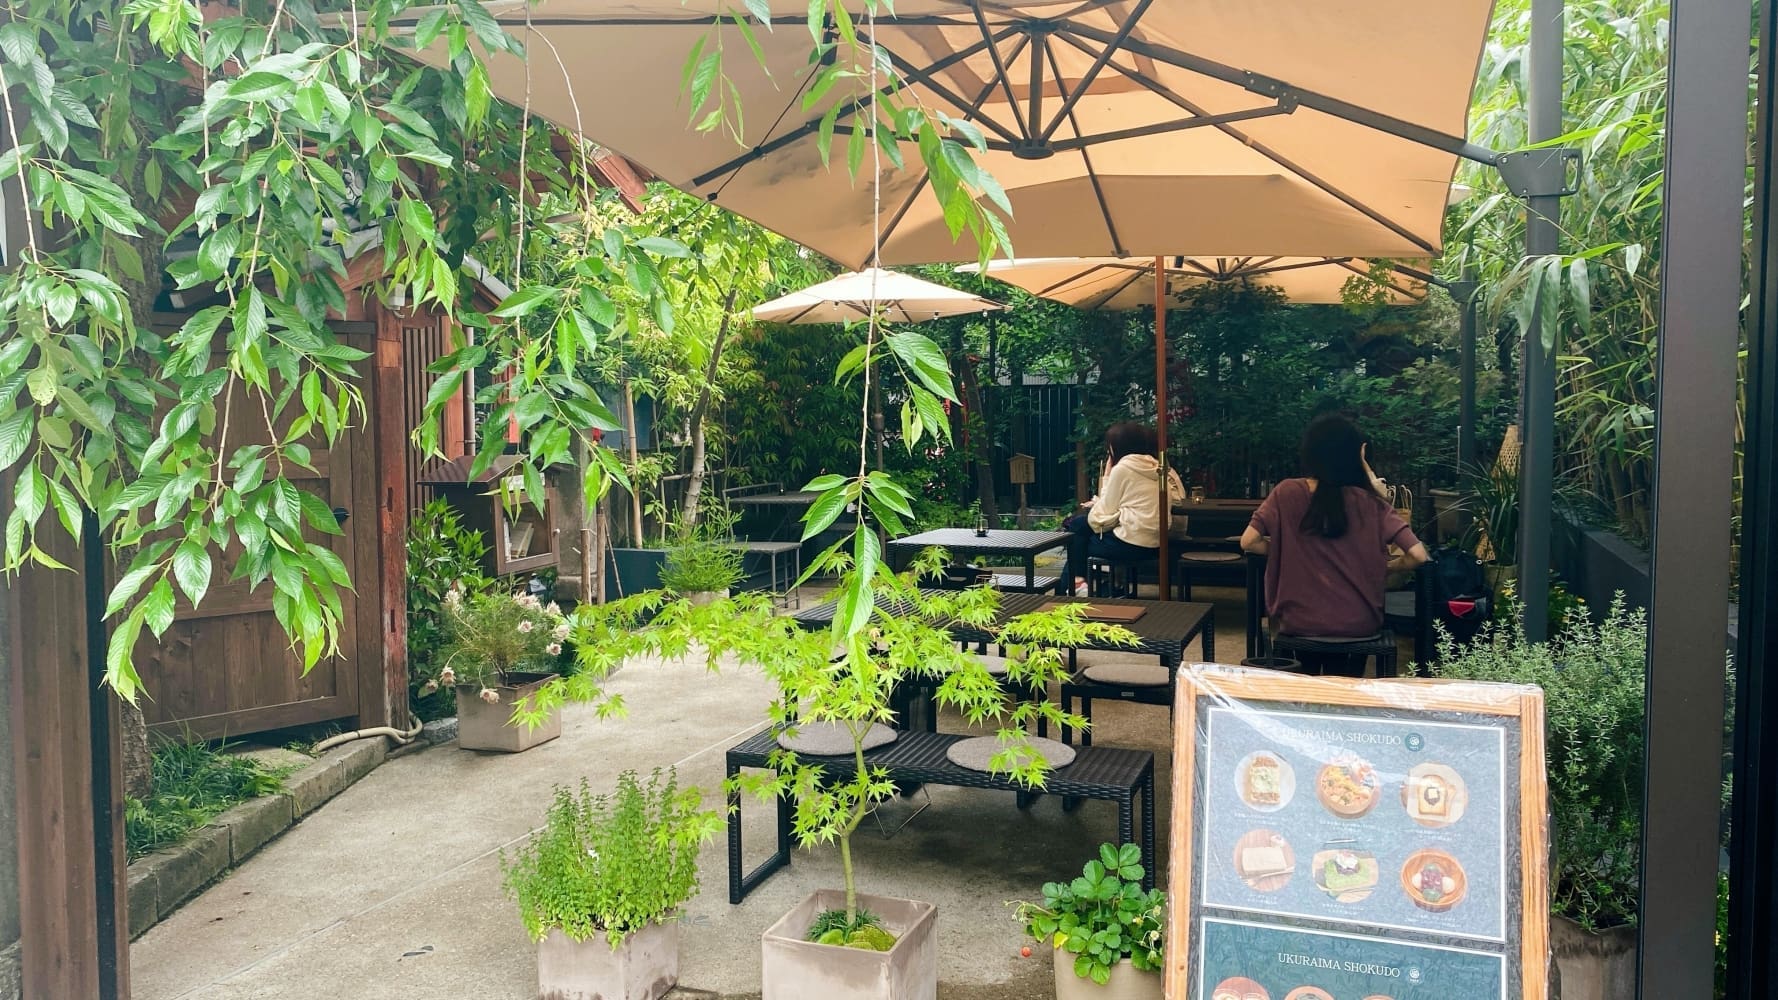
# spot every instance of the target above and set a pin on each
(1326, 540)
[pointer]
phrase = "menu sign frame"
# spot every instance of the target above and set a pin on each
(1348, 839)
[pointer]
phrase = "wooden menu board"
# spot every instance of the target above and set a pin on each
(1340, 839)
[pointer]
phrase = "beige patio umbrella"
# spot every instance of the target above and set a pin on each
(1117, 284)
(898, 298)
(1116, 127)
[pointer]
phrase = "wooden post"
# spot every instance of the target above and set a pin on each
(636, 537)
(1160, 414)
(382, 694)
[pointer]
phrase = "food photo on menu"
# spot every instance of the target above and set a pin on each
(1251, 961)
(1381, 823)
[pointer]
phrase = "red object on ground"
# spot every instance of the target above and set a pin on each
(1025, 952)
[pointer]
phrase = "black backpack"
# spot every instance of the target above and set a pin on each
(1460, 597)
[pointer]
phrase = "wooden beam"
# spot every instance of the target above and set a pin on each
(383, 692)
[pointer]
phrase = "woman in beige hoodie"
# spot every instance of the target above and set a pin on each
(1123, 523)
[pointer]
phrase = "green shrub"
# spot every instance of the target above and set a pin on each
(1593, 678)
(611, 864)
(193, 782)
(1102, 917)
(441, 554)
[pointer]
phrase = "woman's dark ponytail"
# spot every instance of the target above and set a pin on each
(1333, 457)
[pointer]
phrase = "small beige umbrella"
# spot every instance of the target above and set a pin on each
(1116, 127)
(1117, 284)
(898, 298)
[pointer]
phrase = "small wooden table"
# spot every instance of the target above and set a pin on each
(964, 542)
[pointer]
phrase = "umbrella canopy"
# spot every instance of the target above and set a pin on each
(900, 298)
(1117, 127)
(1117, 284)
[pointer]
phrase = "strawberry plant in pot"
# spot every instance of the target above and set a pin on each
(1105, 929)
(600, 886)
(500, 648)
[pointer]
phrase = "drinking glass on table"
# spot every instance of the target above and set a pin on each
(1197, 494)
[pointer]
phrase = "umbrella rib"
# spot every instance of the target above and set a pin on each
(981, 19)
(1198, 266)
(1117, 243)
(1271, 154)
(1072, 278)
(1300, 265)
(1282, 89)
(1134, 277)
(925, 77)
(1092, 73)
(1355, 269)
(813, 126)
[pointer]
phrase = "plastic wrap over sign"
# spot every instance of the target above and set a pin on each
(1341, 839)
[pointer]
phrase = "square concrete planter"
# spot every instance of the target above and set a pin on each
(1594, 966)
(644, 967)
(485, 725)
(797, 969)
(1126, 983)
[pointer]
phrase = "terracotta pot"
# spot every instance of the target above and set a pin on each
(644, 967)
(1126, 983)
(485, 725)
(797, 969)
(1594, 966)
(700, 598)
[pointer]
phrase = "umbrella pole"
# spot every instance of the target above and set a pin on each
(1164, 554)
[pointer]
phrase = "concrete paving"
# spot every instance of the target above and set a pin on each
(393, 888)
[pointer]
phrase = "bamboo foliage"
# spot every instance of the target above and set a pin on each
(1602, 293)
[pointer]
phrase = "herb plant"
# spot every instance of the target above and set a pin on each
(1103, 917)
(701, 563)
(1592, 678)
(611, 864)
(193, 782)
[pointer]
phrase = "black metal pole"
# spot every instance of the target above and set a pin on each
(1697, 346)
(1465, 293)
(1753, 813)
(101, 739)
(1537, 425)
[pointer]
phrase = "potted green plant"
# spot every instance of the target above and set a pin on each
(600, 886)
(1592, 676)
(839, 944)
(1105, 930)
(500, 648)
(701, 568)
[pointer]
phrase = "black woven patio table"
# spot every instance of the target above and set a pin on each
(1165, 629)
(1106, 773)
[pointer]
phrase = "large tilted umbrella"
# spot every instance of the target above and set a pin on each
(1117, 127)
(1117, 284)
(896, 297)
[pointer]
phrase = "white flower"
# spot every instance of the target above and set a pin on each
(526, 626)
(529, 602)
(490, 696)
(553, 649)
(453, 596)
(447, 676)
(428, 687)
(552, 609)
(560, 632)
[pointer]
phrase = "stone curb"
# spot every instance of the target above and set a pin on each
(162, 881)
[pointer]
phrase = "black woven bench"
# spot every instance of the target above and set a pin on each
(1106, 773)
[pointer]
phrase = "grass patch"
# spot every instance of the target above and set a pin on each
(193, 782)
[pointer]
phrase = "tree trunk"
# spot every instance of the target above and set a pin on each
(138, 769)
(694, 487)
(982, 444)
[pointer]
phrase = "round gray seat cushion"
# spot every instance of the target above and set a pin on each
(1127, 674)
(1211, 558)
(832, 739)
(996, 665)
(976, 753)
